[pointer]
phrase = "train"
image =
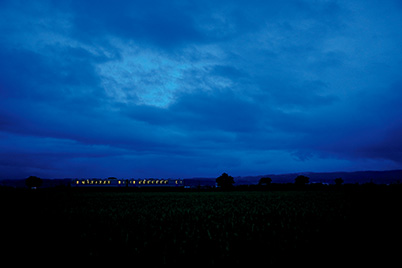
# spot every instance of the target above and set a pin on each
(127, 183)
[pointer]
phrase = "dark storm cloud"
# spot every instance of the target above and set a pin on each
(190, 88)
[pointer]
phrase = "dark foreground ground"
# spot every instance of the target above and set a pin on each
(323, 227)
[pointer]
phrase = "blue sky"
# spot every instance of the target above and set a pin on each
(196, 88)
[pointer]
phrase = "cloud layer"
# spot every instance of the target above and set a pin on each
(189, 88)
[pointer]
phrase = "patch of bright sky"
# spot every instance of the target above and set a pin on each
(145, 76)
(141, 76)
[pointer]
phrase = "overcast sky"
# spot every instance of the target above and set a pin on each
(197, 88)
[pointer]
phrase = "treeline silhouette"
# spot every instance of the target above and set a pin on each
(224, 182)
(301, 182)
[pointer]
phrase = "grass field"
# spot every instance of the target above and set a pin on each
(272, 227)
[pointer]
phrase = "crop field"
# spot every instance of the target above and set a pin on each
(208, 228)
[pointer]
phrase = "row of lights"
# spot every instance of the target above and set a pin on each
(104, 182)
(147, 182)
(108, 182)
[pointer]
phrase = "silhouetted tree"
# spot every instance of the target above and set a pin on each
(225, 181)
(33, 182)
(338, 181)
(301, 180)
(265, 181)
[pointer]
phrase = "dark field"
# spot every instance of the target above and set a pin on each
(247, 227)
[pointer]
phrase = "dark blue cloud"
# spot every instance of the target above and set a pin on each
(189, 88)
(160, 23)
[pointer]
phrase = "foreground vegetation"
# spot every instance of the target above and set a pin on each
(211, 227)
